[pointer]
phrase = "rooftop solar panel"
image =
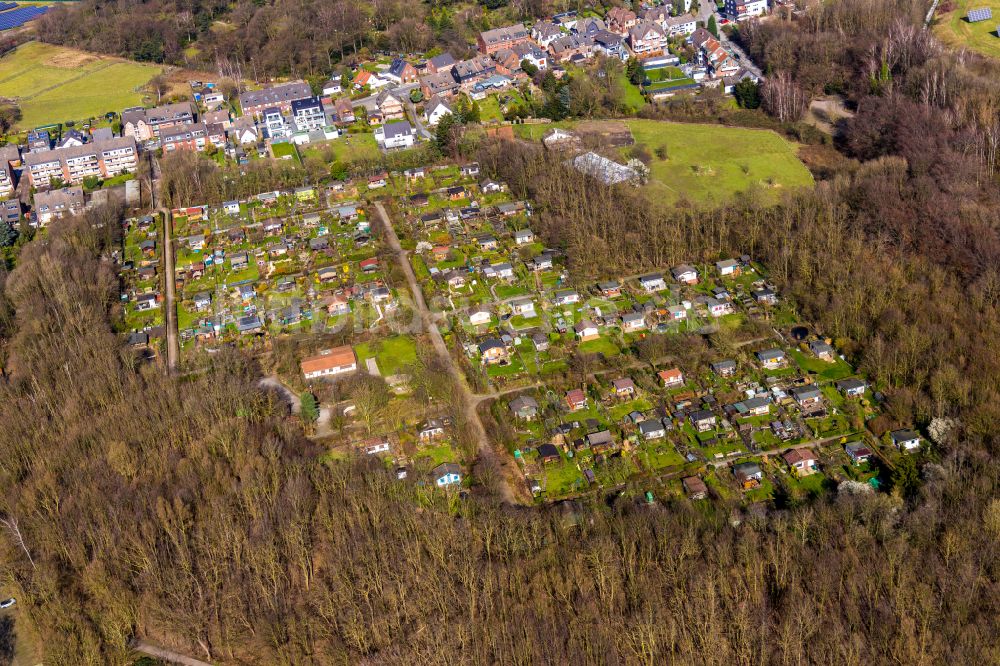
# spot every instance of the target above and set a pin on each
(4, 6)
(977, 15)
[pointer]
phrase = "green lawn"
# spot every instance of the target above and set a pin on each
(54, 84)
(831, 371)
(348, 148)
(391, 354)
(601, 345)
(283, 150)
(710, 163)
(952, 28)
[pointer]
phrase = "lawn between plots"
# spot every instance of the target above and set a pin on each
(55, 84)
(708, 163)
(953, 28)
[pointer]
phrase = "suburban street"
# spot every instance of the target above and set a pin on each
(486, 450)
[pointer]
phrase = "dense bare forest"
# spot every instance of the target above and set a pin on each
(274, 38)
(197, 514)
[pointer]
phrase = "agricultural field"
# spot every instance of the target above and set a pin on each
(952, 28)
(54, 84)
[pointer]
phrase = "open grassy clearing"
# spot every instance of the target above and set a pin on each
(952, 28)
(54, 84)
(708, 163)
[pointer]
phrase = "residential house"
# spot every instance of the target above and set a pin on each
(98, 159)
(487, 242)
(610, 288)
(576, 400)
(500, 271)
(905, 440)
(431, 430)
(652, 283)
(439, 63)
(771, 359)
(523, 307)
(390, 106)
(9, 155)
(728, 267)
(274, 123)
(651, 429)
(718, 308)
(254, 102)
(600, 441)
(621, 20)
(624, 387)
(244, 131)
(610, 45)
(202, 301)
(858, 452)
(373, 446)
(548, 453)
(545, 32)
(249, 325)
(702, 420)
(685, 274)
(308, 114)
(822, 349)
(186, 137)
(801, 461)
(808, 396)
(565, 297)
(589, 26)
(740, 10)
(470, 169)
(490, 41)
(852, 388)
(447, 474)
(586, 330)
(647, 38)
(531, 53)
(524, 407)
(694, 487)
(671, 378)
(344, 111)
(569, 47)
(724, 368)
(540, 341)
(490, 186)
(364, 78)
(633, 321)
(57, 204)
(493, 351)
(469, 72)
(443, 84)
(401, 72)
(748, 475)
(332, 87)
(396, 134)
(329, 363)
(480, 315)
(680, 25)
(435, 109)
(765, 296)
(542, 262)
(146, 124)
(757, 406)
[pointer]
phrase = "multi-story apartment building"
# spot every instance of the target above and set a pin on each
(101, 159)
(255, 102)
(502, 38)
(743, 9)
(57, 204)
(308, 115)
(8, 154)
(147, 124)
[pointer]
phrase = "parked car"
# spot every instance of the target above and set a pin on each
(7, 603)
